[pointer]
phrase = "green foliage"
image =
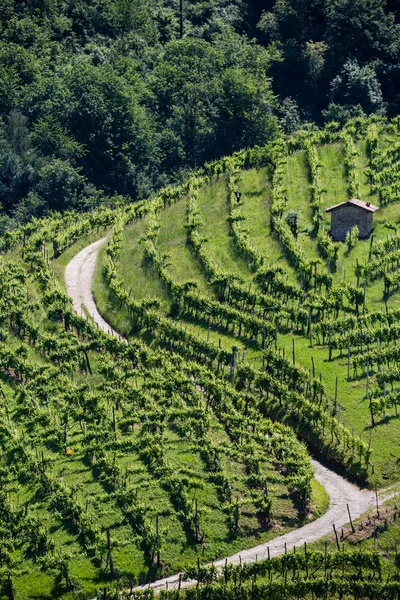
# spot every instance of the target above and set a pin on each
(111, 89)
(344, 50)
(352, 238)
(107, 438)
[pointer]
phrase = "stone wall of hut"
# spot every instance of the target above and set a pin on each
(345, 218)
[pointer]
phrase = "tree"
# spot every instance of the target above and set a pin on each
(106, 123)
(314, 56)
(213, 98)
(341, 113)
(299, 20)
(60, 185)
(358, 85)
(17, 159)
(290, 119)
(246, 111)
(361, 29)
(53, 140)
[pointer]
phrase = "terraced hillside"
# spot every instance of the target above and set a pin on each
(125, 460)
(306, 325)
(121, 463)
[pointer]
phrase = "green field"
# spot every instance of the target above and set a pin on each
(123, 463)
(255, 185)
(116, 466)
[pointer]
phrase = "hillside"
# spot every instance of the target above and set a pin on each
(118, 461)
(238, 257)
(126, 462)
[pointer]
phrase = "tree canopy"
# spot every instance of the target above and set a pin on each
(101, 97)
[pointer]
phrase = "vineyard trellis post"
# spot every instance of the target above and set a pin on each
(351, 521)
(336, 391)
(348, 363)
(336, 536)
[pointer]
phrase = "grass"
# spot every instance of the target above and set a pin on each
(75, 473)
(256, 198)
(255, 187)
(320, 499)
(297, 188)
(78, 473)
(143, 282)
(172, 241)
(213, 206)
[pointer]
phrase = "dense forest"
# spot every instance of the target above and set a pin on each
(108, 100)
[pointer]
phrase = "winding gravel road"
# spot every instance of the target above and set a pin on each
(79, 275)
(79, 278)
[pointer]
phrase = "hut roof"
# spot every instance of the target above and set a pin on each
(354, 202)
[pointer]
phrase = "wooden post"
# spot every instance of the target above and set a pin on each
(306, 558)
(336, 536)
(370, 439)
(358, 273)
(157, 542)
(114, 420)
(365, 293)
(110, 560)
(269, 564)
(348, 363)
(351, 522)
(336, 391)
(196, 520)
(370, 248)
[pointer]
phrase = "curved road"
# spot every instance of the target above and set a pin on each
(79, 278)
(79, 275)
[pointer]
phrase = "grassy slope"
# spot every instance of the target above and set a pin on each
(177, 552)
(351, 395)
(144, 283)
(256, 198)
(172, 241)
(213, 205)
(74, 472)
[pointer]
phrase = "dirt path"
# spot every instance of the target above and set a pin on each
(79, 278)
(340, 493)
(79, 275)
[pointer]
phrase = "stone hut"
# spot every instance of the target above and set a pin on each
(346, 215)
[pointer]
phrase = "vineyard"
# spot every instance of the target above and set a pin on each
(249, 339)
(237, 269)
